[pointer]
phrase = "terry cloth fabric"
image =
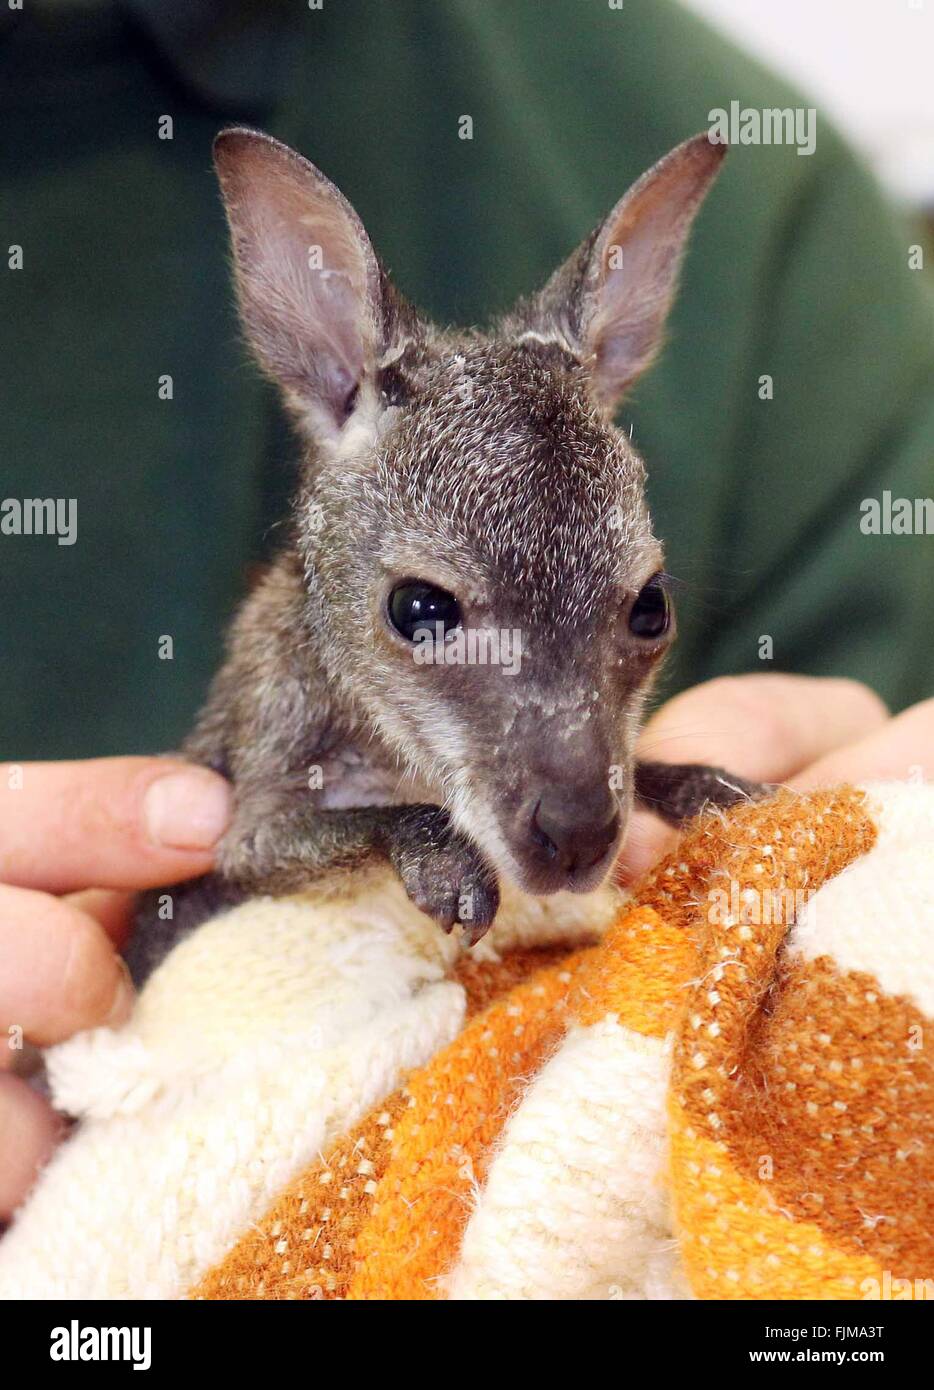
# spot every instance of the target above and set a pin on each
(728, 1095)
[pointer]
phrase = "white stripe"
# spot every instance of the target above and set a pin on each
(260, 1039)
(574, 1206)
(878, 915)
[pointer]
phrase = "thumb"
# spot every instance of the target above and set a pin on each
(109, 822)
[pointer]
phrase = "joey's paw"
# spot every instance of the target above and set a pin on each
(445, 875)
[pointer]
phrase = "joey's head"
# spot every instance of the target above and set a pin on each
(484, 586)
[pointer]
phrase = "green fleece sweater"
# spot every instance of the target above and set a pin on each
(797, 271)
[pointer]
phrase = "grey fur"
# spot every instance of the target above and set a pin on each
(487, 463)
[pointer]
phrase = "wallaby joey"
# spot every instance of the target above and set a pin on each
(462, 495)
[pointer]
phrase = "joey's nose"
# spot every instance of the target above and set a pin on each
(570, 837)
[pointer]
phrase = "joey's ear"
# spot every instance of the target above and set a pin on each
(608, 302)
(312, 295)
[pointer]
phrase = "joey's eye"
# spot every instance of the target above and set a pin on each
(650, 615)
(414, 606)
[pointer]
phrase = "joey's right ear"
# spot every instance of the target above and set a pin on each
(313, 298)
(608, 303)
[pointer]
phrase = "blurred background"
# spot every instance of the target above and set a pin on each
(797, 381)
(869, 65)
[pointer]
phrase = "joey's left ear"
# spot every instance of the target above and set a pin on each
(608, 303)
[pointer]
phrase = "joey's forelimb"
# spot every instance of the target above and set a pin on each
(678, 791)
(443, 872)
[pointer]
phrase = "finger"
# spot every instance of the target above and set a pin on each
(647, 840)
(110, 907)
(29, 1131)
(765, 727)
(903, 749)
(59, 972)
(108, 822)
(19, 1056)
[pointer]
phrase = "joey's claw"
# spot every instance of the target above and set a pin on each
(447, 878)
(484, 902)
(454, 894)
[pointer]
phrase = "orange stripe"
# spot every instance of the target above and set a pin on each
(737, 1243)
(305, 1246)
(640, 974)
(457, 1108)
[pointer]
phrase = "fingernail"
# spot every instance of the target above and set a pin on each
(124, 999)
(187, 810)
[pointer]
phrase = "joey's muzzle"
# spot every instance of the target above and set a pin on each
(565, 837)
(573, 836)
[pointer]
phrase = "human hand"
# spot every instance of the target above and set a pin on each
(800, 731)
(76, 840)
